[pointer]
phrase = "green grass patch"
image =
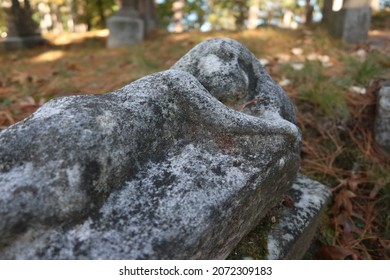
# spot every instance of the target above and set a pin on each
(362, 72)
(320, 90)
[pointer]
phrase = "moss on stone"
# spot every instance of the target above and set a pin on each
(255, 244)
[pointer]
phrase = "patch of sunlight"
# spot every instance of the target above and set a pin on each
(67, 38)
(337, 5)
(182, 36)
(48, 56)
(102, 33)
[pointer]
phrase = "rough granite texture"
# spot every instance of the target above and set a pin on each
(159, 169)
(288, 229)
(382, 122)
(295, 229)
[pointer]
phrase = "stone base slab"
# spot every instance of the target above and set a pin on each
(287, 232)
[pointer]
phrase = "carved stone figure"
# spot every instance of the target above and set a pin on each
(180, 164)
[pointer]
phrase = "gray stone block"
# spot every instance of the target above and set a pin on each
(351, 23)
(356, 25)
(294, 224)
(295, 229)
(126, 28)
(159, 169)
(382, 121)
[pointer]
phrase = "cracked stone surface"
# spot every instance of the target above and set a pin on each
(180, 164)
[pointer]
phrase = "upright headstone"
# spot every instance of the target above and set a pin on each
(350, 20)
(22, 30)
(382, 123)
(126, 26)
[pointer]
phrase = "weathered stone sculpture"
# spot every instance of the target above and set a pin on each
(159, 169)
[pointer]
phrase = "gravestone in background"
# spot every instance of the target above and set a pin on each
(22, 30)
(131, 23)
(126, 26)
(350, 20)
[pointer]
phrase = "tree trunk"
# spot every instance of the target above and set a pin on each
(20, 20)
(102, 16)
(178, 15)
(129, 3)
(309, 12)
(147, 10)
(27, 5)
(253, 15)
(242, 14)
(327, 10)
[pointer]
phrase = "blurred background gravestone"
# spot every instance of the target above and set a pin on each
(22, 30)
(349, 19)
(130, 24)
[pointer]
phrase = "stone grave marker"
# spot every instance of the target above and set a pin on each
(350, 20)
(22, 30)
(179, 164)
(126, 26)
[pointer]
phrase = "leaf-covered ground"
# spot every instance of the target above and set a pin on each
(334, 87)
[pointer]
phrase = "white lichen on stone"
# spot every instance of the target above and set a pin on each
(74, 175)
(58, 106)
(106, 122)
(310, 197)
(211, 64)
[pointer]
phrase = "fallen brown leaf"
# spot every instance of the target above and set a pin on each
(335, 253)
